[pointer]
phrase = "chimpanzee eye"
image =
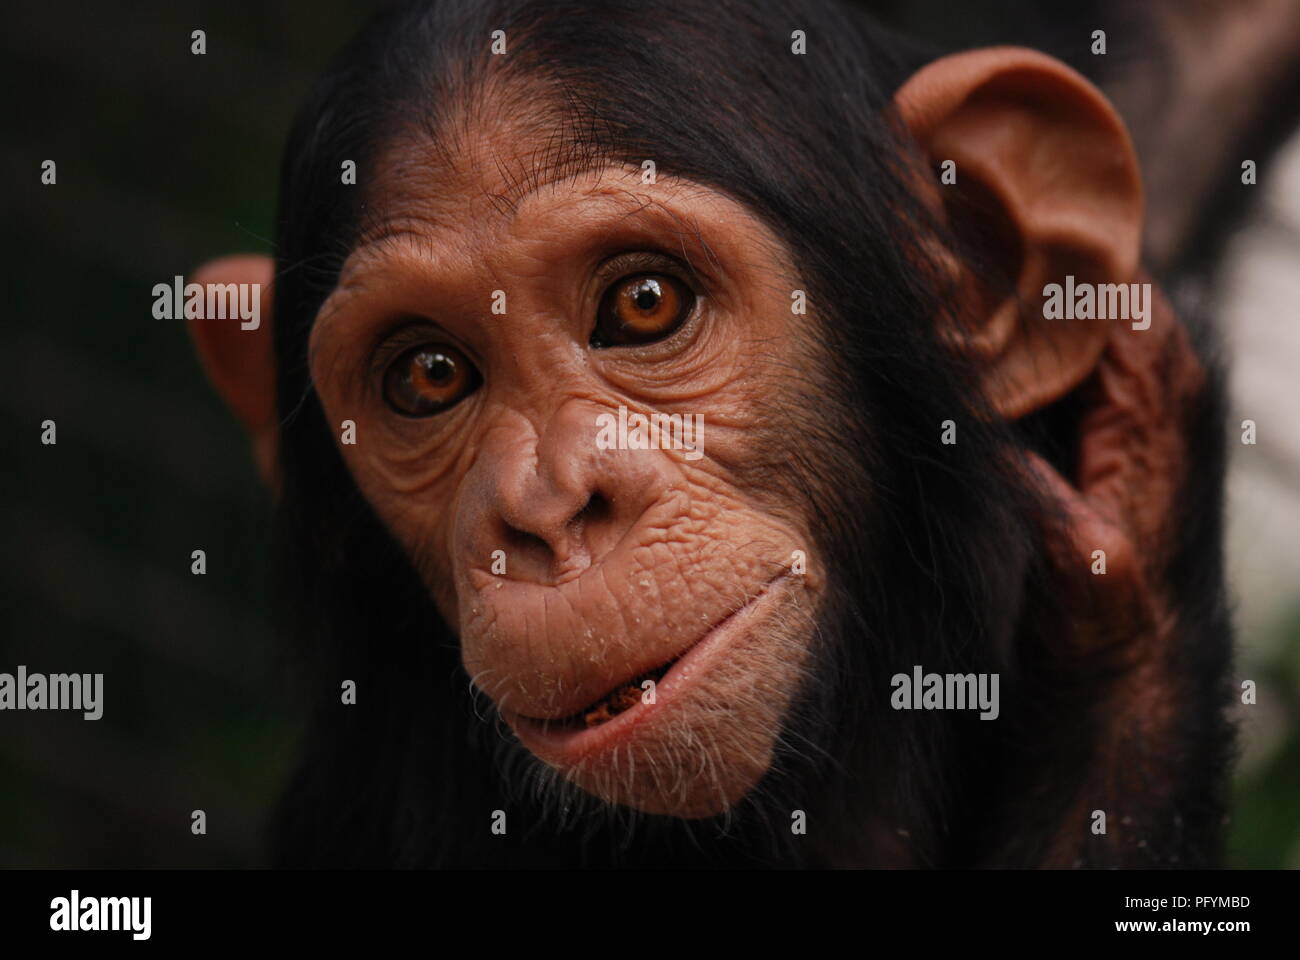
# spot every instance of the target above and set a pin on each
(428, 379)
(641, 309)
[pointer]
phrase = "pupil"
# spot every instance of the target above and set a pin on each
(647, 298)
(437, 367)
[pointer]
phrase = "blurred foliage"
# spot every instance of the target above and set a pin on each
(165, 159)
(1266, 804)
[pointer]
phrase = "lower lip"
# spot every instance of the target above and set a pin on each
(566, 745)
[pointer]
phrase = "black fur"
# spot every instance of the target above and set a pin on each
(938, 556)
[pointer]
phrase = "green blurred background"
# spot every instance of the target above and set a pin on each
(164, 160)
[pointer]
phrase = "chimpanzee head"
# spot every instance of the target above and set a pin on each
(651, 386)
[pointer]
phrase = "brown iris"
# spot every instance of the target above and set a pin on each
(428, 379)
(641, 309)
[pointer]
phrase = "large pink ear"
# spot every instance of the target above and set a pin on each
(241, 363)
(1046, 161)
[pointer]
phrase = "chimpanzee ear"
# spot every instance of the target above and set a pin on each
(240, 362)
(1044, 173)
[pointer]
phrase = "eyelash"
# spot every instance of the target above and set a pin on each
(413, 333)
(633, 262)
(625, 265)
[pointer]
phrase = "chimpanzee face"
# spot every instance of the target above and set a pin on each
(639, 616)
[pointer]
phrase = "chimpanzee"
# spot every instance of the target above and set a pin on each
(722, 434)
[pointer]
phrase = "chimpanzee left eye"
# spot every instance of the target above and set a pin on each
(428, 379)
(641, 309)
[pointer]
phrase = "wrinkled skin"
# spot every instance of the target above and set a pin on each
(618, 561)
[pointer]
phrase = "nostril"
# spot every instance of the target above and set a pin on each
(523, 542)
(597, 509)
(553, 554)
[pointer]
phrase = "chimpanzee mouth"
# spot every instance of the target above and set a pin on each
(631, 693)
(621, 698)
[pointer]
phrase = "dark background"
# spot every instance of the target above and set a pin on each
(166, 159)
